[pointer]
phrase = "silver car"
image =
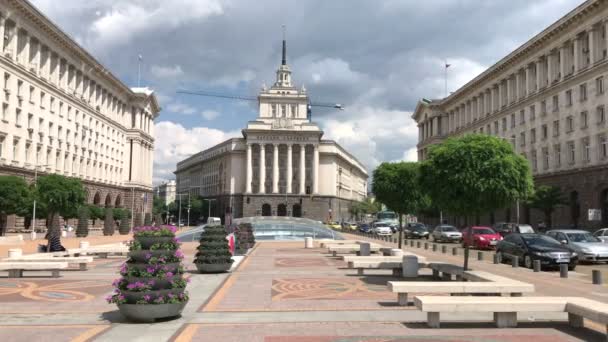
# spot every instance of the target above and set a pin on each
(588, 247)
(602, 234)
(446, 233)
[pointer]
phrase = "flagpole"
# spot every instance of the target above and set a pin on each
(446, 65)
(139, 58)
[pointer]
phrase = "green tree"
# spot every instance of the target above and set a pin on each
(96, 213)
(158, 205)
(108, 223)
(82, 230)
(15, 198)
(547, 199)
(475, 174)
(60, 195)
(397, 185)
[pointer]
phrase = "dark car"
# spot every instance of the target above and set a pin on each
(529, 247)
(364, 228)
(416, 231)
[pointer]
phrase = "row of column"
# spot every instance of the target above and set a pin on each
(27, 50)
(141, 160)
(275, 169)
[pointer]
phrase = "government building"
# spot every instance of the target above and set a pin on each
(280, 167)
(65, 113)
(548, 99)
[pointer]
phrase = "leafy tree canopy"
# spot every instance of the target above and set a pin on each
(397, 185)
(475, 174)
(60, 195)
(15, 195)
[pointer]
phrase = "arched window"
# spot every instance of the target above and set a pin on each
(282, 210)
(297, 210)
(266, 209)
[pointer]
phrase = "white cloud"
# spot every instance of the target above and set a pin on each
(210, 114)
(411, 155)
(327, 71)
(162, 72)
(181, 108)
(175, 143)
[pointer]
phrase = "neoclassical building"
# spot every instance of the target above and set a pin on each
(280, 167)
(65, 113)
(548, 98)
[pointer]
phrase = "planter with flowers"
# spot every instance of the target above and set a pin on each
(213, 255)
(152, 285)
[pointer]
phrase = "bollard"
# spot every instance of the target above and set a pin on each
(308, 242)
(563, 270)
(418, 244)
(434, 247)
(444, 249)
(496, 258)
(33, 235)
(364, 249)
(426, 245)
(597, 277)
(409, 266)
(454, 250)
(480, 256)
(411, 243)
(515, 261)
(536, 264)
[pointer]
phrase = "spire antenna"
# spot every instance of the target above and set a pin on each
(284, 60)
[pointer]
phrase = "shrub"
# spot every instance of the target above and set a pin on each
(244, 238)
(213, 247)
(125, 224)
(82, 230)
(137, 220)
(108, 223)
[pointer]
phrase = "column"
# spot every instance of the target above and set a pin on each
(577, 48)
(289, 168)
(527, 81)
(302, 169)
(605, 38)
(538, 73)
(562, 62)
(2, 32)
(47, 65)
(262, 169)
(249, 171)
(500, 99)
(509, 90)
(518, 85)
(275, 169)
(315, 170)
(37, 57)
(592, 48)
(15, 42)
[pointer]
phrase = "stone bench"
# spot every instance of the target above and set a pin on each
(348, 249)
(15, 269)
(403, 288)
(505, 309)
(101, 251)
(41, 257)
(394, 263)
(446, 270)
(327, 243)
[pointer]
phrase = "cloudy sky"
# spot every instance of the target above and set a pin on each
(377, 57)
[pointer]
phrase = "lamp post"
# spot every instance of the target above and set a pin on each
(209, 209)
(188, 208)
(34, 209)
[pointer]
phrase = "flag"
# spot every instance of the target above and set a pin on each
(231, 242)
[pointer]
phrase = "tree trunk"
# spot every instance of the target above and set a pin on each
(53, 230)
(400, 229)
(466, 250)
(3, 223)
(548, 219)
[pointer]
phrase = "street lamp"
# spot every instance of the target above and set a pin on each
(34, 209)
(209, 209)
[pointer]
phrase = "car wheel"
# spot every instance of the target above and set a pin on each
(527, 261)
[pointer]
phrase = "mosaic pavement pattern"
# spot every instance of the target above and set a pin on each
(327, 289)
(30, 333)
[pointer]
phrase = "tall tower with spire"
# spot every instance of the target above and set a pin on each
(283, 105)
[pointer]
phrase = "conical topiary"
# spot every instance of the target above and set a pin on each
(125, 225)
(244, 238)
(147, 219)
(137, 220)
(108, 223)
(158, 220)
(213, 253)
(82, 230)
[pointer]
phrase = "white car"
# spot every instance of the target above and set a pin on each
(602, 234)
(382, 229)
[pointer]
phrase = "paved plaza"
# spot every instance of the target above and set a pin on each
(280, 292)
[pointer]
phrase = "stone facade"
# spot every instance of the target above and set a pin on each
(62, 112)
(548, 98)
(281, 156)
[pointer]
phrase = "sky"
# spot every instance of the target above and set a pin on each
(376, 57)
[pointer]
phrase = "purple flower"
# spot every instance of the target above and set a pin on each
(131, 286)
(169, 274)
(150, 269)
(147, 298)
(179, 254)
(148, 256)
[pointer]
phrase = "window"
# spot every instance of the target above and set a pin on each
(545, 153)
(283, 110)
(583, 92)
(1, 146)
(534, 160)
(584, 119)
(586, 150)
(30, 119)
(42, 95)
(532, 113)
(27, 152)
(543, 107)
(69, 113)
(522, 139)
(7, 79)
(569, 124)
(15, 148)
(31, 97)
(504, 124)
(495, 127)
(18, 117)
(544, 132)
(293, 111)
(603, 145)
(556, 128)
(274, 110)
(5, 112)
(533, 136)
(52, 105)
(600, 115)
(512, 120)
(557, 155)
(568, 97)
(60, 109)
(555, 103)
(522, 117)
(571, 152)
(599, 85)
(19, 87)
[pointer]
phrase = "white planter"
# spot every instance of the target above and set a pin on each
(15, 252)
(308, 242)
(33, 235)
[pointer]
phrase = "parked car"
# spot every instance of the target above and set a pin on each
(381, 228)
(506, 228)
(529, 247)
(446, 233)
(480, 237)
(364, 228)
(602, 234)
(416, 231)
(333, 225)
(588, 247)
(353, 226)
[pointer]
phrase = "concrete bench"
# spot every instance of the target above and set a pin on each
(505, 309)
(15, 269)
(446, 270)
(389, 263)
(101, 251)
(327, 243)
(403, 288)
(341, 249)
(40, 257)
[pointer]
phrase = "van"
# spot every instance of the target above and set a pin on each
(214, 220)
